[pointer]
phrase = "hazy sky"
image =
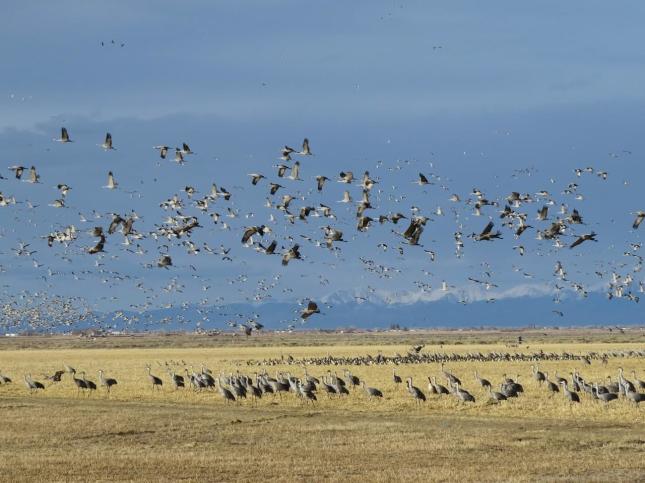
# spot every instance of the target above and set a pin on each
(502, 96)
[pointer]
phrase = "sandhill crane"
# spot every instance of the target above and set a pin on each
(306, 392)
(256, 177)
(396, 378)
(111, 182)
(282, 169)
(256, 392)
(451, 377)
(570, 395)
(310, 379)
(422, 180)
(538, 375)
(4, 379)
(346, 177)
(438, 387)
(89, 385)
(107, 144)
(485, 383)
(163, 151)
(487, 233)
(587, 237)
(253, 230)
(431, 388)
(640, 216)
(79, 383)
(185, 149)
(558, 379)
(238, 390)
(353, 380)
(154, 380)
(164, 261)
(108, 382)
(464, 395)
(64, 136)
(632, 395)
(98, 247)
(225, 393)
(371, 391)
(34, 177)
(295, 172)
(312, 308)
(320, 182)
(329, 389)
(613, 387)
(338, 384)
(415, 392)
(292, 253)
(33, 385)
(551, 387)
(496, 396)
(603, 396)
(17, 170)
(639, 382)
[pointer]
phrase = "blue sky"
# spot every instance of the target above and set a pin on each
(466, 91)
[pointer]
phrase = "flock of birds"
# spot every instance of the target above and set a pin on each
(291, 211)
(238, 386)
(415, 356)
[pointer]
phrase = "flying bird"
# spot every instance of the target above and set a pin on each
(255, 177)
(18, 170)
(64, 136)
(163, 151)
(34, 177)
(292, 253)
(320, 181)
(312, 308)
(487, 233)
(422, 180)
(107, 144)
(590, 236)
(111, 183)
(305, 148)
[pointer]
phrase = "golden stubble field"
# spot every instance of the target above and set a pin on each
(142, 434)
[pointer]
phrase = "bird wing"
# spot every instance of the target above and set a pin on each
(248, 233)
(295, 170)
(577, 242)
(488, 229)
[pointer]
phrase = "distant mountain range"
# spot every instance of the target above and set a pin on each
(446, 312)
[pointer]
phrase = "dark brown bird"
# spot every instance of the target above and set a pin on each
(487, 234)
(312, 308)
(589, 236)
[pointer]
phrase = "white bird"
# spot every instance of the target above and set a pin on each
(347, 198)
(111, 183)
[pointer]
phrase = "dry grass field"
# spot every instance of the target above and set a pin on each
(161, 435)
